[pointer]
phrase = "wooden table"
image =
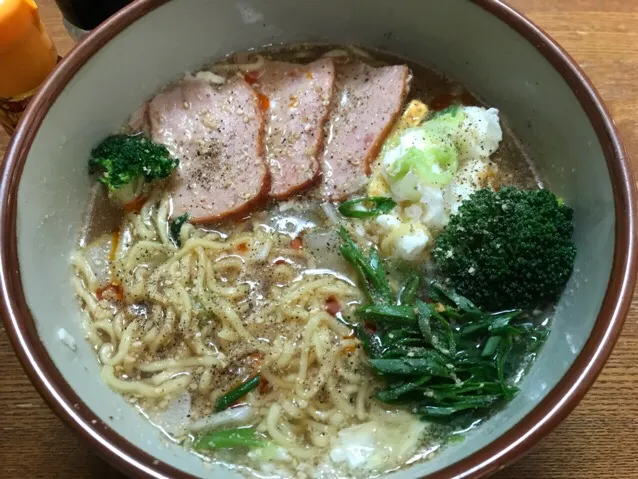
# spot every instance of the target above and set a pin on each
(598, 440)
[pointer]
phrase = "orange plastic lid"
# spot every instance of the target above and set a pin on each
(27, 54)
(17, 18)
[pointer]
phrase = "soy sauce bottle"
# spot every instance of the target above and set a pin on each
(81, 16)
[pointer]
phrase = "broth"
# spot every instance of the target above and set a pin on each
(178, 322)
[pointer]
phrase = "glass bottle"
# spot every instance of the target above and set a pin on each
(81, 16)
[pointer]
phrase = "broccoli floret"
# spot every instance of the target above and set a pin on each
(123, 159)
(508, 249)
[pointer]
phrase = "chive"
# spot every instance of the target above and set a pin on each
(490, 346)
(234, 394)
(443, 295)
(425, 313)
(475, 402)
(394, 336)
(472, 328)
(452, 390)
(410, 289)
(229, 438)
(370, 269)
(175, 226)
(431, 364)
(409, 342)
(379, 280)
(501, 322)
(406, 351)
(395, 392)
(388, 314)
(445, 342)
(366, 207)
(503, 352)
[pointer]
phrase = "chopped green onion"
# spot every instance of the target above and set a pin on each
(490, 346)
(472, 402)
(504, 350)
(395, 392)
(410, 289)
(444, 295)
(229, 438)
(431, 363)
(366, 207)
(388, 314)
(234, 394)
(370, 269)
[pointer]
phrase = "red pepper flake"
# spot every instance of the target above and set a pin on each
(297, 243)
(264, 102)
(446, 99)
(136, 205)
(280, 261)
(241, 248)
(251, 77)
(110, 290)
(332, 306)
(264, 386)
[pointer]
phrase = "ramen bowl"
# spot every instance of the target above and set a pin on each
(493, 50)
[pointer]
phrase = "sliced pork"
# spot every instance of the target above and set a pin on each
(298, 99)
(366, 103)
(217, 133)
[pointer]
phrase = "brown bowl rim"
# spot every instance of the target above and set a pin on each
(506, 449)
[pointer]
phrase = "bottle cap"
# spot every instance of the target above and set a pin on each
(27, 54)
(16, 19)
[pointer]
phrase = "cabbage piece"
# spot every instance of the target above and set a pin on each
(234, 416)
(380, 444)
(424, 155)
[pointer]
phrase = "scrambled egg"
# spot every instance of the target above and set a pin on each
(409, 230)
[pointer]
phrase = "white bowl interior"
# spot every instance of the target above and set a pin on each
(488, 56)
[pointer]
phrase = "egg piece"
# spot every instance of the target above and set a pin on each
(404, 240)
(414, 114)
(378, 186)
(473, 176)
(479, 134)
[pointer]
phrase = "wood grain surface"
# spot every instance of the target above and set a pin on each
(598, 440)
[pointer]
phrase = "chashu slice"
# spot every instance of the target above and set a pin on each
(217, 134)
(366, 103)
(298, 99)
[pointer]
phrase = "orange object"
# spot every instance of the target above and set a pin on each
(297, 243)
(264, 102)
(27, 56)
